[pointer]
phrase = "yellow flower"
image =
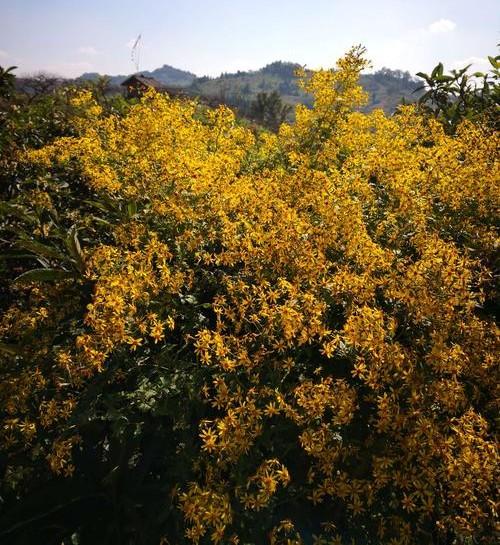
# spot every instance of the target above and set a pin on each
(134, 343)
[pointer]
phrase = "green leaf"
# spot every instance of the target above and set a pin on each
(41, 249)
(10, 349)
(102, 221)
(494, 61)
(13, 254)
(444, 79)
(438, 71)
(132, 209)
(18, 211)
(423, 75)
(44, 275)
(99, 205)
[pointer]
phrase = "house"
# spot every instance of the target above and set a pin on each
(137, 84)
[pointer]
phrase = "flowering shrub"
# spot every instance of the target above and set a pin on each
(234, 338)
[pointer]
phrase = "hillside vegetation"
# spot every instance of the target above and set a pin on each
(386, 88)
(218, 335)
(166, 74)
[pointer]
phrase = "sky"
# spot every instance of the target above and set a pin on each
(207, 37)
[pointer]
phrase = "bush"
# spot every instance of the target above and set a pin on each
(218, 337)
(451, 98)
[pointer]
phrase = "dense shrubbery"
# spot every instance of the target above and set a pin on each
(454, 97)
(213, 336)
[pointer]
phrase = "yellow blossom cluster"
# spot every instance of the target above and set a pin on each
(205, 510)
(345, 345)
(261, 487)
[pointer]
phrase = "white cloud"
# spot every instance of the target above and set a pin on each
(88, 50)
(3, 54)
(442, 25)
(478, 64)
(471, 60)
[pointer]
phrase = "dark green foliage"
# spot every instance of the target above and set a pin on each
(461, 95)
(130, 458)
(268, 110)
(7, 80)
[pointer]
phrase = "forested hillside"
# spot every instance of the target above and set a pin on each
(166, 74)
(386, 88)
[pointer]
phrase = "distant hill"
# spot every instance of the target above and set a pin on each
(170, 76)
(386, 88)
(241, 87)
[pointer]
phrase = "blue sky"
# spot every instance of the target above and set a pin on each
(69, 37)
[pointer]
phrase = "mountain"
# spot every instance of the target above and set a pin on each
(172, 76)
(386, 88)
(168, 75)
